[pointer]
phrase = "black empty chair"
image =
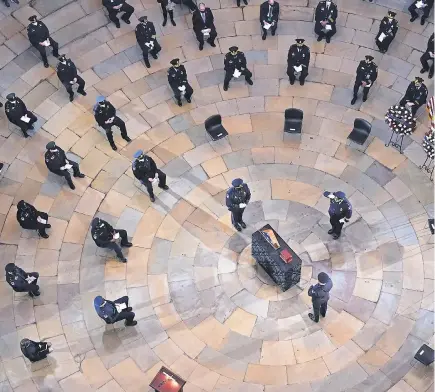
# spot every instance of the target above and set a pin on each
(213, 126)
(425, 355)
(293, 120)
(361, 131)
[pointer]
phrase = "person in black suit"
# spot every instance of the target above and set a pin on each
(387, 32)
(167, 8)
(428, 56)
(67, 74)
(298, 61)
(203, 19)
(114, 7)
(415, 96)
(30, 218)
(146, 38)
(366, 74)
(21, 281)
(269, 14)
(326, 19)
(423, 5)
(39, 37)
(35, 351)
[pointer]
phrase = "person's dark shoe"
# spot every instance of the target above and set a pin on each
(114, 148)
(173, 22)
(413, 18)
(201, 46)
(154, 56)
(46, 65)
(328, 40)
(127, 139)
(245, 1)
(35, 294)
(319, 38)
(26, 135)
(147, 64)
(238, 227)
(238, 4)
(15, 1)
(353, 101)
(1, 166)
(48, 226)
(164, 22)
(250, 82)
(179, 103)
(212, 44)
(302, 82)
(292, 82)
(263, 37)
(311, 316)
(126, 20)
(422, 21)
(273, 33)
(72, 186)
(7, 4)
(330, 231)
(243, 224)
(335, 236)
(225, 88)
(423, 70)
(82, 92)
(71, 98)
(364, 99)
(129, 309)
(164, 187)
(152, 198)
(80, 175)
(56, 54)
(430, 76)
(189, 100)
(130, 324)
(118, 25)
(127, 244)
(123, 259)
(44, 235)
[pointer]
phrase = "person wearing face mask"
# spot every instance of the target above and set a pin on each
(428, 56)
(298, 61)
(17, 113)
(415, 96)
(113, 311)
(319, 294)
(21, 281)
(203, 26)
(387, 31)
(423, 5)
(235, 65)
(366, 74)
(167, 8)
(31, 219)
(146, 38)
(116, 6)
(39, 37)
(269, 14)
(105, 115)
(35, 351)
(67, 74)
(8, 4)
(237, 198)
(326, 19)
(340, 211)
(177, 78)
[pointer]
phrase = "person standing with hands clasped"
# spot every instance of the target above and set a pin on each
(366, 75)
(326, 19)
(39, 37)
(167, 8)
(319, 294)
(235, 65)
(177, 79)
(269, 14)
(340, 211)
(237, 199)
(298, 61)
(146, 38)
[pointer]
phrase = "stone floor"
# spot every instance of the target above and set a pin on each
(203, 308)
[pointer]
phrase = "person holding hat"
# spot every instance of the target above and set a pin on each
(428, 56)
(67, 74)
(326, 20)
(39, 37)
(366, 75)
(238, 197)
(113, 311)
(8, 4)
(203, 25)
(146, 38)
(145, 170)
(167, 8)
(235, 65)
(105, 236)
(340, 211)
(177, 78)
(35, 351)
(387, 31)
(269, 14)
(31, 219)
(116, 6)
(17, 113)
(105, 115)
(415, 96)
(57, 163)
(423, 5)
(298, 61)
(21, 281)
(319, 294)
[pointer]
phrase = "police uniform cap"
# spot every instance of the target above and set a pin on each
(418, 79)
(237, 182)
(143, 18)
(234, 49)
(50, 146)
(33, 18)
(62, 57)
(10, 96)
(392, 14)
(323, 277)
(138, 153)
(340, 194)
(175, 61)
(300, 40)
(370, 58)
(100, 99)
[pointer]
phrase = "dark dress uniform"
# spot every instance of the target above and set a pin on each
(38, 33)
(298, 55)
(103, 235)
(27, 217)
(146, 33)
(108, 311)
(34, 351)
(236, 60)
(15, 109)
(67, 74)
(388, 27)
(416, 93)
(127, 9)
(21, 281)
(428, 56)
(426, 8)
(328, 14)
(8, 4)
(269, 13)
(366, 74)
(177, 77)
(201, 21)
(238, 194)
(319, 294)
(339, 211)
(167, 8)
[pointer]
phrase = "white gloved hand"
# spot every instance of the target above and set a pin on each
(342, 220)
(242, 205)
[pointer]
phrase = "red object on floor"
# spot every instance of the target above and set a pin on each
(167, 381)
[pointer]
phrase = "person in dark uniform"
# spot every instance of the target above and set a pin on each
(67, 74)
(319, 294)
(35, 351)
(31, 219)
(145, 170)
(422, 5)
(21, 281)
(298, 61)
(167, 8)
(203, 25)
(105, 236)
(146, 38)
(244, 1)
(366, 74)
(17, 113)
(236, 61)
(387, 31)
(269, 14)
(105, 115)
(39, 37)
(415, 96)
(340, 211)
(177, 78)
(57, 163)
(238, 197)
(116, 6)
(8, 4)
(428, 56)
(113, 311)
(326, 19)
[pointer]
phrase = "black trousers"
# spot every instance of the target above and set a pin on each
(272, 28)
(424, 62)
(210, 39)
(149, 185)
(67, 174)
(292, 76)
(40, 353)
(41, 227)
(31, 288)
(229, 75)
(118, 123)
(356, 87)
(69, 86)
(190, 4)
(114, 246)
(413, 11)
(414, 107)
(124, 314)
(237, 216)
(319, 31)
(26, 126)
(385, 44)
(126, 8)
(145, 50)
(336, 225)
(43, 52)
(187, 93)
(165, 12)
(320, 310)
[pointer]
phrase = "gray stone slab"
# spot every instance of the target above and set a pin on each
(360, 308)
(112, 65)
(47, 7)
(217, 61)
(251, 303)
(238, 159)
(9, 73)
(198, 135)
(212, 78)
(269, 171)
(381, 174)
(27, 59)
(196, 176)
(205, 257)
(134, 54)
(395, 65)
(381, 130)
(253, 213)
(424, 325)
(176, 167)
(266, 329)
(247, 140)
(152, 331)
(129, 220)
(275, 209)
(185, 298)
(181, 123)
(344, 283)
(377, 382)
(159, 256)
(386, 307)
(369, 334)
(256, 57)
(241, 347)
(223, 307)
(311, 176)
(64, 17)
(180, 268)
(342, 96)
(342, 380)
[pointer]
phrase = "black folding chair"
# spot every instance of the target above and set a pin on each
(213, 126)
(361, 131)
(293, 120)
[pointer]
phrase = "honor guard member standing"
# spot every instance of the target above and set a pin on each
(269, 14)
(340, 211)
(423, 5)
(237, 199)
(319, 294)
(8, 4)
(146, 38)
(35, 351)
(428, 56)
(145, 170)
(177, 78)
(105, 236)
(67, 74)
(167, 8)
(56, 162)
(21, 281)
(415, 96)
(113, 311)
(31, 219)
(17, 113)
(39, 37)
(203, 25)
(116, 6)
(326, 19)
(366, 74)
(105, 115)
(387, 31)
(298, 61)
(235, 65)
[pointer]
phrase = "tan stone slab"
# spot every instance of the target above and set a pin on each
(118, 99)
(77, 229)
(174, 147)
(241, 322)
(369, 265)
(48, 321)
(237, 124)
(278, 104)
(401, 386)
(94, 161)
(94, 57)
(112, 83)
(368, 289)
(158, 114)
(395, 335)
(398, 189)
(236, 90)
(159, 290)
(62, 119)
(82, 124)
(373, 360)
(168, 351)
(136, 71)
(388, 156)
(181, 211)
(312, 346)
(66, 139)
(211, 332)
(263, 155)
(46, 109)
(413, 273)
(200, 154)
(330, 165)
(353, 157)
(167, 315)
(169, 229)
(307, 372)
(277, 353)
(57, 231)
(16, 371)
(335, 130)
(342, 357)
(114, 203)
(147, 228)
(94, 371)
(296, 191)
(114, 270)
(36, 74)
(343, 328)
(184, 338)
(90, 202)
(265, 374)
(311, 90)
(214, 166)
(137, 267)
(204, 378)
(184, 366)
(129, 376)
(319, 144)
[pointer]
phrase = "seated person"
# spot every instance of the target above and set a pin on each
(113, 311)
